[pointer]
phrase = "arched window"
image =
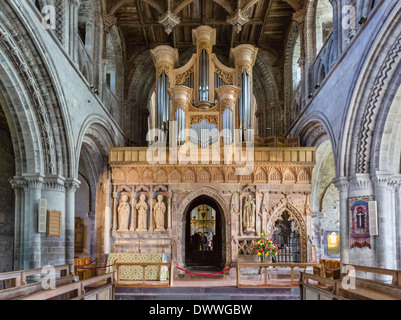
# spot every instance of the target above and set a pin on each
(324, 23)
(296, 69)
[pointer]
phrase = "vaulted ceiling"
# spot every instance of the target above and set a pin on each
(148, 23)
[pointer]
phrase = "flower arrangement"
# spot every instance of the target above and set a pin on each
(265, 247)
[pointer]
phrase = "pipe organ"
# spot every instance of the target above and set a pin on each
(208, 101)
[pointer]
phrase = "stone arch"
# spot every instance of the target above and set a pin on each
(370, 99)
(25, 66)
(275, 215)
(294, 35)
(182, 208)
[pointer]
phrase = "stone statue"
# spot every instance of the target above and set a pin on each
(124, 211)
(159, 211)
(142, 206)
(249, 209)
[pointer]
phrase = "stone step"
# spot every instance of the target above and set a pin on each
(211, 293)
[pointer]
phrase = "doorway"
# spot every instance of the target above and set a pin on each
(203, 236)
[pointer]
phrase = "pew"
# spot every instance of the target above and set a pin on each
(96, 288)
(331, 268)
(18, 284)
(350, 287)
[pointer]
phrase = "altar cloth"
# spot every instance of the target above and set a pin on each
(136, 272)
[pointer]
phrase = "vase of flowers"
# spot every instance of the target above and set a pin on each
(265, 248)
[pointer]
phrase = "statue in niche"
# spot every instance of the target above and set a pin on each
(249, 209)
(124, 211)
(159, 211)
(142, 206)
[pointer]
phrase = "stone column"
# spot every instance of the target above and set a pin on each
(32, 238)
(115, 205)
(384, 252)
(92, 245)
(342, 185)
(73, 36)
(19, 198)
(150, 203)
(361, 185)
(169, 205)
(71, 186)
(398, 223)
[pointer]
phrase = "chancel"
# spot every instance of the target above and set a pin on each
(252, 144)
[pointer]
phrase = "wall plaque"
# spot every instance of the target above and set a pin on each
(53, 223)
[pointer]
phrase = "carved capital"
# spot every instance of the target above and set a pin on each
(361, 181)
(72, 185)
(342, 184)
(34, 181)
(382, 179)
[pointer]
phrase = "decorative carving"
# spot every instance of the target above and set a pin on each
(142, 208)
(159, 212)
(238, 20)
(124, 211)
(169, 20)
(212, 119)
(226, 77)
(180, 78)
(248, 213)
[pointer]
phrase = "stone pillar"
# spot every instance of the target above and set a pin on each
(384, 252)
(316, 233)
(92, 245)
(71, 186)
(150, 203)
(32, 238)
(19, 198)
(398, 223)
(342, 185)
(361, 185)
(73, 28)
(169, 205)
(115, 205)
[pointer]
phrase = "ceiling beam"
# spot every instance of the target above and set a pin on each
(138, 7)
(265, 21)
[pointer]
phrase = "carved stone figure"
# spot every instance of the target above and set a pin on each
(248, 220)
(124, 211)
(159, 211)
(142, 206)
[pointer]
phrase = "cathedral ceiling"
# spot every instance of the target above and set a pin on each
(144, 24)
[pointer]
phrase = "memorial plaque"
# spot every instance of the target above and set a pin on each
(53, 223)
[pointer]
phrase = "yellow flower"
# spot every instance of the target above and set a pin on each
(275, 253)
(259, 254)
(258, 242)
(266, 254)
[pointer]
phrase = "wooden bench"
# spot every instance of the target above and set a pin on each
(355, 288)
(101, 288)
(331, 269)
(16, 279)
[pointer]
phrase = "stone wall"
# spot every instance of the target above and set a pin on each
(7, 168)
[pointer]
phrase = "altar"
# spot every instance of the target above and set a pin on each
(135, 272)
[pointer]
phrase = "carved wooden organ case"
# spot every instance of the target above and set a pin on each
(213, 100)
